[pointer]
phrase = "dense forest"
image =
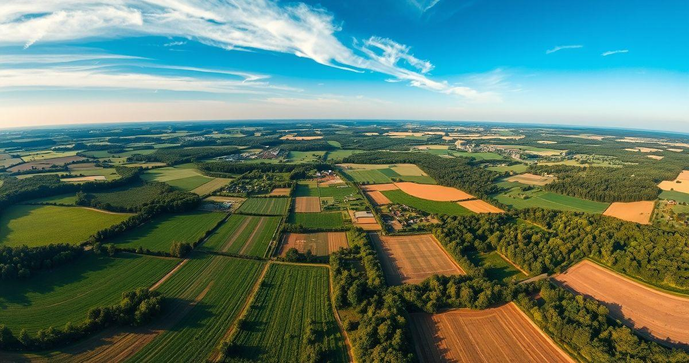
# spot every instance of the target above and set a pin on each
(18, 262)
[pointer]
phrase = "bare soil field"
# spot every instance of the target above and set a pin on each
(307, 204)
(411, 259)
(479, 206)
(502, 334)
(320, 244)
(379, 187)
(655, 157)
(378, 198)
(531, 179)
(280, 192)
(300, 138)
(644, 149)
(83, 179)
(639, 212)
(680, 184)
(45, 164)
(436, 193)
(653, 313)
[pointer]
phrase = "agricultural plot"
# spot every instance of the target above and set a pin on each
(375, 174)
(200, 311)
(479, 206)
(320, 244)
(338, 155)
(502, 334)
(477, 156)
(537, 198)
(637, 212)
(7, 160)
(265, 206)
(428, 206)
(678, 197)
(378, 198)
(244, 235)
(280, 192)
(497, 268)
(129, 197)
(680, 184)
(324, 220)
(43, 155)
(65, 294)
(307, 204)
(182, 177)
(62, 199)
(45, 163)
(211, 186)
(531, 179)
(290, 297)
(39, 225)
(305, 156)
(653, 313)
(306, 189)
(436, 193)
(160, 233)
(411, 259)
(517, 168)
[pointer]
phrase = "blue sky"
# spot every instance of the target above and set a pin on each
(600, 63)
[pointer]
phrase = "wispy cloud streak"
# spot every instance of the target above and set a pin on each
(562, 47)
(611, 52)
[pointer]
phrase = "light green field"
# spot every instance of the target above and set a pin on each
(211, 186)
(305, 156)
(245, 235)
(160, 233)
(541, 199)
(183, 177)
(517, 168)
(306, 189)
(679, 197)
(428, 206)
(335, 143)
(322, 220)
(288, 299)
(65, 294)
(381, 174)
(220, 286)
(62, 199)
(39, 225)
(265, 206)
(338, 155)
(496, 267)
(477, 156)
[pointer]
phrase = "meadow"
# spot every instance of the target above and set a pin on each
(305, 156)
(516, 168)
(679, 197)
(538, 198)
(62, 199)
(65, 294)
(39, 225)
(245, 235)
(338, 155)
(381, 174)
(200, 294)
(130, 197)
(184, 177)
(323, 220)
(160, 233)
(265, 206)
(496, 267)
(290, 297)
(428, 206)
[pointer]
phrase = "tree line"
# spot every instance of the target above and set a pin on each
(174, 156)
(19, 262)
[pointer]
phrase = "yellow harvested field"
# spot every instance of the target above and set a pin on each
(653, 313)
(307, 204)
(502, 334)
(300, 138)
(320, 244)
(675, 150)
(378, 198)
(655, 157)
(480, 206)
(211, 186)
(639, 212)
(644, 149)
(532, 179)
(83, 179)
(280, 192)
(436, 193)
(432, 147)
(379, 187)
(404, 134)
(411, 259)
(680, 184)
(408, 170)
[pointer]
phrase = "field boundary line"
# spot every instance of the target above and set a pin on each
(247, 243)
(565, 348)
(169, 274)
(336, 313)
(447, 254)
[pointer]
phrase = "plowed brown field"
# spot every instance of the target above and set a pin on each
(479, 206)
(379, 187)
(307, 204)
(411, 259)
(320, 244)
(639, 212)
(280, 192)
(655, 314)
(378, 198)
(502, 334)
(436, 193)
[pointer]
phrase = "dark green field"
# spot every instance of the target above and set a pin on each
(245, 235)
(496, 267)
(265, 206)
(130, 197)
(322, 220)
(428, 206)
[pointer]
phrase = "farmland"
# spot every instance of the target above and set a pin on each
(375, 174)
(637, 212)
(492, 335)
(265, 206)
(429, 206)
(412, 259)
(519, 199)
(320, 244)
(210, 186)
(436, 193)
(203, 310)
(290, 297)
(479, 206)
(307, 204)
(653, 313)
(73, 289)
(183, 177)
(18, 224)
(323, 220)
(497, 268)
(160, 233)
(531, 179)
(63, 199)
(130, 197)
(245, 235)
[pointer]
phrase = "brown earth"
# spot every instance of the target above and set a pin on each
(320, 244)
(653, 313)
(307, 204)
(639, 212)
(281, 192)
(411, 259)
(82, 179)
(502, 334)
(45, 164)
(378, 198)
(479, 206)
(379, 187)
(531, 179)
(436, 193)
(680, 184)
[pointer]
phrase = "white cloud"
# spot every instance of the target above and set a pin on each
(293, 28)
(174, 44)
(15, 59)
(611, 52)
(561, 47)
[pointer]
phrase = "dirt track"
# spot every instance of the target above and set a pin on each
(307, 204)
(436, 193)
(638, 212)
(654, 313)
(479, 206)
(502, 334)
(411, 259)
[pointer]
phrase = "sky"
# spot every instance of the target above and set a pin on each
(584, 63)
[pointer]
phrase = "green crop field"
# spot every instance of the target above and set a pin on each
(39, 225)
(338, 155)
(290, 297)
(517, 168)
(189, 183)
(373, 176)
(679, 197)
(160, 233)
(338, 192)
(265, 206)
(305, 156)
(220, 285)
(322, 220)
(131, 196)
(496, 267)
(65, 294)
(519, 199)
(387, 175)
(184, 177)
(306, 189)
(477, 156)
(428, 206)
(245, 235)
(62, 199)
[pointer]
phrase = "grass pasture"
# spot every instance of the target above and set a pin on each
(679, 197)
(160, 233)
(204, 297)
(305, 156)
(39, 225)
(381, 174)
(265, 206)
(211, 186)
(182, 177)
(290, 297)
(428, 206)
(519, 199)
(244, 235)
(323, 220)
(496, 267)
(65, 294)
(131, 196)
(338, 155)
